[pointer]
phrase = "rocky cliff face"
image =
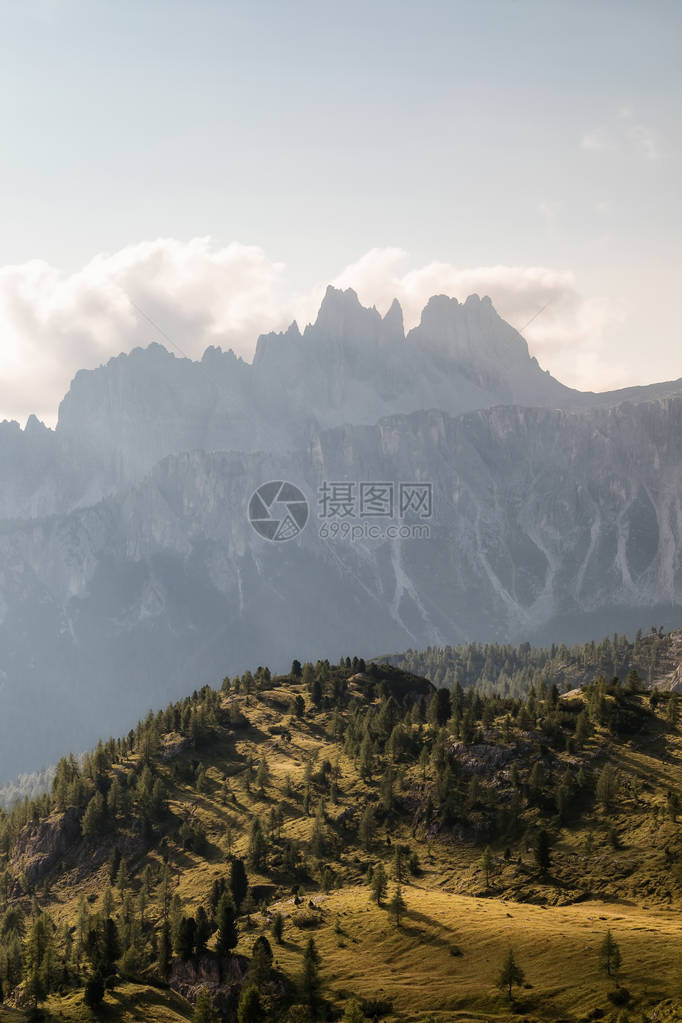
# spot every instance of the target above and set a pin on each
(41, 845)
(223, 977)
(543, 520)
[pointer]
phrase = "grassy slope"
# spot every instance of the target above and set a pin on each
(557, 945)
(130, 1003)
(414, 966)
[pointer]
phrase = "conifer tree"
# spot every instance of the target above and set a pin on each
(399, 864)
(367, 828)
(487, 864)
(165, 951)
(277, 928)
(542, 851)
(310, 976)
(258, 846)
(609, 954)
(263, 776)
(204, 1009)
(93, 994)
(226, 920)
(203, 930)
(397, 906)
(379, 884)
(239, 882)
(261, 962)
(250, 1008)
(510, 974)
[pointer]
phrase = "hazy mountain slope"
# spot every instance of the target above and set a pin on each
(539, 516)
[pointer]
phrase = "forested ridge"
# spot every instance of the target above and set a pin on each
(219, 860)
(512, 670)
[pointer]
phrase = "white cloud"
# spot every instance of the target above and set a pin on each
(628, 132)
(549, 210)
(52, 324)
(596, 140)
(568, 336)
(639, 135)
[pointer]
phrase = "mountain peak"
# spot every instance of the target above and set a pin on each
(337, 301)
(343, 317)
(392, 325)
(395, 312)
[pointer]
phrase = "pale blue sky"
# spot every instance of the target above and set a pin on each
(476, 133)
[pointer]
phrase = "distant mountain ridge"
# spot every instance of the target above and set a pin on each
(351, 366)
(128, 566)
(542, 520)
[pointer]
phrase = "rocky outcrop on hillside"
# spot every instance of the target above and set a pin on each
(223, 977)
(41, 845)
(670, 672)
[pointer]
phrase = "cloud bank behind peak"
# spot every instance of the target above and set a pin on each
(201, 293)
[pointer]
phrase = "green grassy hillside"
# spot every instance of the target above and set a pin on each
(537, 825)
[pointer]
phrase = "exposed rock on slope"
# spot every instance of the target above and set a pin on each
(41, 846)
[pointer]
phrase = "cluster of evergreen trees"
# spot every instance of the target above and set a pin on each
(512, 670)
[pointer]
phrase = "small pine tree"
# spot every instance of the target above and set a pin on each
(204, 1009)
(542, 851)
(397, 906)
(239, 882)
(93, 995)
(258, 846)
(93, 818)
(165, 952)
(367, 828)
(510, 974)
(310, 975)
(263, 776)
(122, 878)
(366, 758)
(186, 937)
(399, 864)
(607, 787)
(277, 928)
(487, 864)
(250, 1008)
(609, 954)
(379, 884)
(261, 962)
(203, 931)
(226, 920)
(387, 783)
(353, 1012)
